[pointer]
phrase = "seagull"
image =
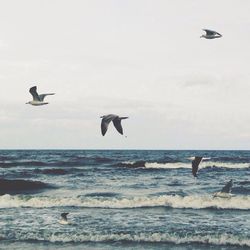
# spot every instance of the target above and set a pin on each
(37, 99)
(195, 165)
(210, 34)
(106, 119)
(64, 219)
(225, 191)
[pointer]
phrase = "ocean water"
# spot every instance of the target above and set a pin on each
(120, 199)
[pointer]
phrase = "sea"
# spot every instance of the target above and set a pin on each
(123, 199)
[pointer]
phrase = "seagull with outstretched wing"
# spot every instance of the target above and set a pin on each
(211, 34)
(38, 100)
(106, 119)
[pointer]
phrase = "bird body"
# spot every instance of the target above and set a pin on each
(37, 99)
(63, 222)
(106, 119)
(64, 219)
(37, 103)
(210, 34)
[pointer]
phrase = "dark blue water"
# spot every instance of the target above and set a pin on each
(123, 199)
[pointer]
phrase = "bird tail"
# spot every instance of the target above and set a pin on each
(124, 117)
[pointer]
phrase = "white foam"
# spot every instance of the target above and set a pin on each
(205, 164)
(174, 201)
(217, 239)
(223, 239)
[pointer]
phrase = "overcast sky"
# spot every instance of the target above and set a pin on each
(137, 58)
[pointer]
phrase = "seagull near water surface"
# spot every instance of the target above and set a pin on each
(37, 99)
(211, 34)
(225, 191)
(64, 219)
(106, 119)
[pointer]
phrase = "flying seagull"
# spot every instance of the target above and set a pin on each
(106, 119)
(37, 99)
(64, 219)
(210, 34)
(195, 165)
(225, 191)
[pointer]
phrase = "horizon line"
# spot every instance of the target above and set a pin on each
(118, 149)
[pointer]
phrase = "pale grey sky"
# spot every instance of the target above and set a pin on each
(137, 58)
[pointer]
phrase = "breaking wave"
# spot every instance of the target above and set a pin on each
(157, 237)
(172, 201)
(177, 165)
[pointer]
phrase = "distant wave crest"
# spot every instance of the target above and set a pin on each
(75, 161)
(177, 165)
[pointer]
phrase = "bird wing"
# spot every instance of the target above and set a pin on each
(218, 33)
(41, 97)
(33, 92)
(210, 32)
(118, 126)
(227, 188)
(64, 215)
(195, 165)
(105, 123)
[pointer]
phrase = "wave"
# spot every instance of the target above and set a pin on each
(177, 165)
(167, 163)
(228, 159)
(244, 182)
(19, 186)
(242, 190)
(102, 194)
(131, 164)
(52, 171)
(76, 161)
(103, 159)
(10, 164)
(152, 237)
(172, 201)
(233, 159)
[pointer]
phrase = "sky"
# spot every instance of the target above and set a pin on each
(138, 58)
